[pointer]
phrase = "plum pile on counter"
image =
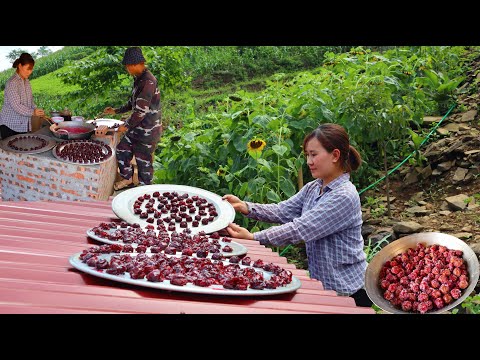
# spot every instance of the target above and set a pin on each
(13, 144)
(424, 278)
(83, 151)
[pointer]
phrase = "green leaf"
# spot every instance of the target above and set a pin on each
(433, 77)
(240, 143)
(287, 187)
(274, 124)
(273, 197)
(243, 190)
(214, 179)
(236, 114)
(261, 120)
(265, 163)
(290, 164)
(279, 149)
(189, 137)
(203, 169)
(299, 162)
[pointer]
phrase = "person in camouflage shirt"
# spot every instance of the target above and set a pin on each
(143, 127)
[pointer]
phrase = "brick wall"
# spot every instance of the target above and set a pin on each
(43, 177)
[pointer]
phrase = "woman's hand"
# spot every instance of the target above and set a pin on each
(109, 111)
(38, 112)
(236, 231)
(237, 204)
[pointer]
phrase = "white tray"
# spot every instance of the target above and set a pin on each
(189, 287)
(122, 206)
(108, 122)
(237, 249)
(61, 145)
(28, 142)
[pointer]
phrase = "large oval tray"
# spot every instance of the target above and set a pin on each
(105, 149)
(32, 140)
(238, 249)
(189, 287)
(122, 206)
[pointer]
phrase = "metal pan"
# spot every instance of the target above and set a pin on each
(70, 130)
(396, 247)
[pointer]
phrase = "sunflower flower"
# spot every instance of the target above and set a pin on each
(221, 172)
(255, 147)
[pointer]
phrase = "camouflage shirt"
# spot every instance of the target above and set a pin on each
(144, 124)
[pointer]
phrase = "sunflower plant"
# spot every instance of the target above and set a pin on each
(255, 147)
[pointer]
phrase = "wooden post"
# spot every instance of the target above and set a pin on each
(300, 179)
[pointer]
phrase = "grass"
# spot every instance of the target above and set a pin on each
(51, 85)
(372, 250)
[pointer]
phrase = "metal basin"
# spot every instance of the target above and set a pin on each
(69, 130)
(375, 292)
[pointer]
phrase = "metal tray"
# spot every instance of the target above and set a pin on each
(189, 287)
(122, 206)
(375, 293)
(238, 249)
(31, 142)
(61, 145)
(108, 122)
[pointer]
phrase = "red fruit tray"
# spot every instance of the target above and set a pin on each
(83, 152)
(123, 205)
(236, 249)
(188, 286)
(28, 143)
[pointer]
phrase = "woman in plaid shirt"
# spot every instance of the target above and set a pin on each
(325, 214)
(18, 106)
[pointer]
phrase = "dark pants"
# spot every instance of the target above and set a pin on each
(126, 149)
(361, 298)
(6, 132)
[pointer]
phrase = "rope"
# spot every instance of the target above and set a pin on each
(396, 167)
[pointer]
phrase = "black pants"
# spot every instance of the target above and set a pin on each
(361, 298)
(6, 132)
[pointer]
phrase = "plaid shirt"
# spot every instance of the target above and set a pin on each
(330, 225)
(18, 104)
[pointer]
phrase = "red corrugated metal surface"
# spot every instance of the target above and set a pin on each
(37, 239)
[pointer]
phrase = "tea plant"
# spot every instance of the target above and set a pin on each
(471, 304)
(372, 249)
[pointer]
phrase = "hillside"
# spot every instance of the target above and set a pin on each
(443, 195)
(418, 193)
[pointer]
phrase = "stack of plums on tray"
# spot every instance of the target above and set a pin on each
(13, 143)
(424, 278)
(200, 271)
(160, 252)
(175, 208)
(170, 242)
(83, 151)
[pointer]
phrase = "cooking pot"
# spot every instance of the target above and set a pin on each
(69, 130)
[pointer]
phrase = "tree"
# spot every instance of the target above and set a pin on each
(15, 54)
(102, 72)
(43, 51)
